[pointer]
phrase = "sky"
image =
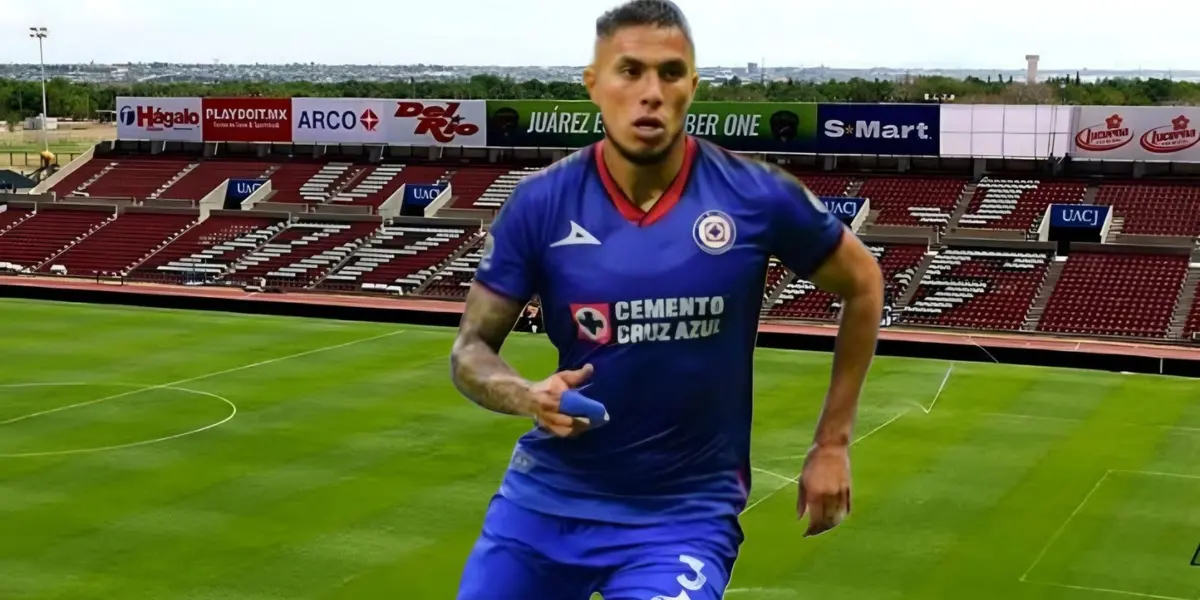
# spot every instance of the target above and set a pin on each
(1068, 34)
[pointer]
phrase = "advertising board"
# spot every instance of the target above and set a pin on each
(738, 126)
(1078, 216)
(247, 119)
(339, 120)
(845, 209)
(159, 119)
(891, 129)
(1149, 133)
(437, 123)
(240, 189)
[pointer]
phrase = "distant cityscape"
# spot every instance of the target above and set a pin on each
(319, 73)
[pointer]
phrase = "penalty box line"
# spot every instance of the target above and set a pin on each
(1062, 528)
(170, 384)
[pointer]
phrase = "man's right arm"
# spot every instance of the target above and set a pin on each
(476, 367)
(505, 280)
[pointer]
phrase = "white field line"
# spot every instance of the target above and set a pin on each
(205, 376)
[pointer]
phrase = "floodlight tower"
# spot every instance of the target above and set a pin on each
(41, 33)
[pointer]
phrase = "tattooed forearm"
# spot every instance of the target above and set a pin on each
(475, 364)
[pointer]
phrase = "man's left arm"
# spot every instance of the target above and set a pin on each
(852, 273)
(817, 247)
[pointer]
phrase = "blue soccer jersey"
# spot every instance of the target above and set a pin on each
(665, 305)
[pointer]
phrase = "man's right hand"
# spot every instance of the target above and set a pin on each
(546, 395)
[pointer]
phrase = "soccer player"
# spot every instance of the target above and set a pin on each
(648, 251)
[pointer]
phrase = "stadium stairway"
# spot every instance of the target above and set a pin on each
(1038, 308)
(12, 217)
(372, 185)
(82, 177)
(1114, 229)
(1187, 299)
(910, 290)
(778, 278)
(964, 204)
(453, 277)
(166, 242)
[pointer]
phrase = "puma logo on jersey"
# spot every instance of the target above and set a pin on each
(578, 236)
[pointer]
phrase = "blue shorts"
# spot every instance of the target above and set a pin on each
(524, 555)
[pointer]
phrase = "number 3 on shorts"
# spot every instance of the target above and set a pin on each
(690, 581)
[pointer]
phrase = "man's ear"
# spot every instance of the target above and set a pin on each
(589, 80)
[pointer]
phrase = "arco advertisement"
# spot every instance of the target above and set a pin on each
(339, 121)
(738, 126)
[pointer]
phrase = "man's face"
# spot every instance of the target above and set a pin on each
(643, 80)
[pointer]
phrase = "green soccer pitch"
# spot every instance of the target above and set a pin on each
(152, 454)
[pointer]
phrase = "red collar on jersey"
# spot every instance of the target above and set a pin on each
(670, 197)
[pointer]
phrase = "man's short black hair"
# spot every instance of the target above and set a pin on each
(658, 13)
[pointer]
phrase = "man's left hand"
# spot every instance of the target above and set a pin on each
(824, 488)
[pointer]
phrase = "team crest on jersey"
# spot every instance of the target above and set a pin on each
(593, 322)
(714, 232)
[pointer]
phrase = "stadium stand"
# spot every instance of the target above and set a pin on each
(117, 246)
(1116, 294)
(979, 288)
(12, 217)
(49, 231)
(302, 253)
(210, 248)
(373, 186)
(824, 185)
(913, 201)
(83, 176)
(209, 174)
(951, 281)
(1017, 204)
(139, 178)
(800, 299)
(400, 257)
(776, 273)
(1192, 326)
(1153, 208)
(454, 279)
(311, 183)
(486, 187)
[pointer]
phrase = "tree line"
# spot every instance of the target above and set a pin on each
(21, 99)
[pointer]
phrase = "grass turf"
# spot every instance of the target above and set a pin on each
(352, 469)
